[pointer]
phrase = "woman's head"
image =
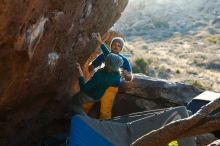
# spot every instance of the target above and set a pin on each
(113, 62)
(117, 45)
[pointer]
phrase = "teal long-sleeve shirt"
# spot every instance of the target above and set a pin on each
(97, 85)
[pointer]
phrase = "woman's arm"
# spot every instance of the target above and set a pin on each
(88, 85)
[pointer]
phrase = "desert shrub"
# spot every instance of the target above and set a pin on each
(140, 65)
(212, 39)
(136, 69)
(145, 46)
(196, 84)
(195, 61)
(203, 57)
(178, 71)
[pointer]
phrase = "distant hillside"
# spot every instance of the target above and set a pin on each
(177, 40)
(159, 19)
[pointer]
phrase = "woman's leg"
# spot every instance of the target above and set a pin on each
(107, 102)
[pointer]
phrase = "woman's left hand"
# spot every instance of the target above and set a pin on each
(79, 69)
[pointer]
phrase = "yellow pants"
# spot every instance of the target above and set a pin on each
(107, 101)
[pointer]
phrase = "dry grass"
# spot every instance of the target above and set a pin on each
(183, 58)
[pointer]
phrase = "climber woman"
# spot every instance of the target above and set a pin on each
(94, 89)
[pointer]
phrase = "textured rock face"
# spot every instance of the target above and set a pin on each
(40, 42)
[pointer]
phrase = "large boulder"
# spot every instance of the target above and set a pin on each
(40, 42)
(158, 89)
